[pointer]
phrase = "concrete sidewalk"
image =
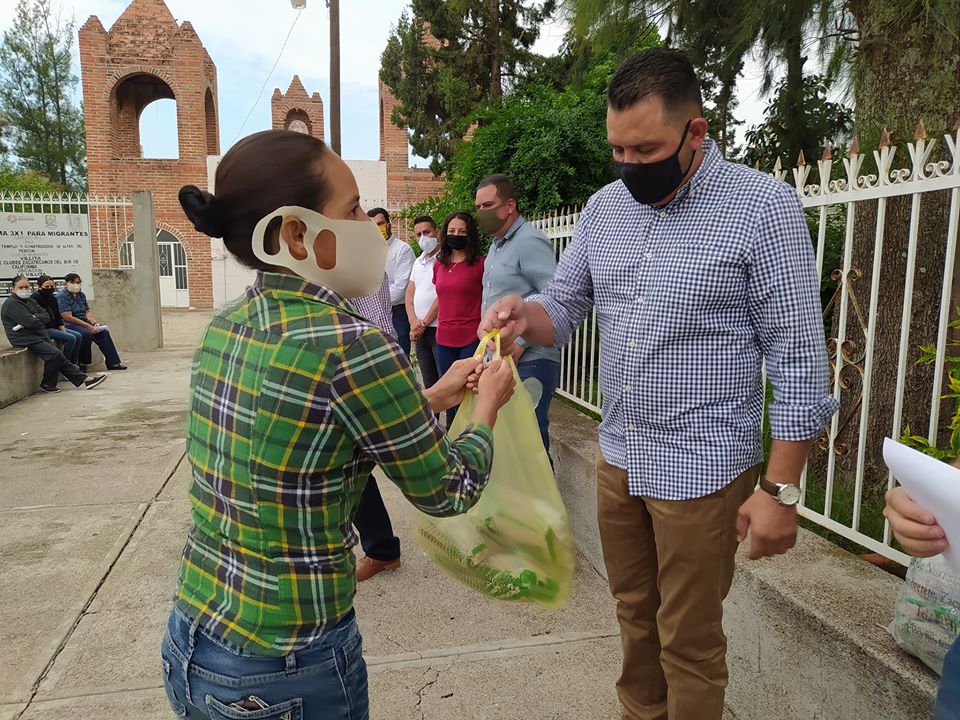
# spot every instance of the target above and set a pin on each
(93, 515)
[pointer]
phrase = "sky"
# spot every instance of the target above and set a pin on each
(244, 38)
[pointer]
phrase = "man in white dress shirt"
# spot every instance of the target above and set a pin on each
(400, 259)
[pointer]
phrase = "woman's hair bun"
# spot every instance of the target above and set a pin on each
(203, 210)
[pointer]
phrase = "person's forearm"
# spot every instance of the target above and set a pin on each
(540, 330)
(70, 318)
(484, 413)
(431, 314)
(787, 458)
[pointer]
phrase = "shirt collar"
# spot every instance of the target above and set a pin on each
(298, 286)
(711, 161)
(517, 224)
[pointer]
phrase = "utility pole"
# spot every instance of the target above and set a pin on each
(334, 6)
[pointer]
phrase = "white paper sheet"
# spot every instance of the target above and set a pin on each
(933, 484)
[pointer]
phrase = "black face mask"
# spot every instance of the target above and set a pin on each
(46, 292)
(649, 183)
(456, 242)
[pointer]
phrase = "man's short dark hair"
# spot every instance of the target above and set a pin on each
(425, 219)
(664, 72)
(506, 190)
(70, 277)
(379, 211)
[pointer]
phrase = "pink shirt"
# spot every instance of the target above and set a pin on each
(459, 294)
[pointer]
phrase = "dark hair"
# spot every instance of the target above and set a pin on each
(259, 174)
(664, 72)
(424, 218)
(378, 211)
(18, 278)
(506, 190)
(473, 239)
(42, 279)
(70, 277)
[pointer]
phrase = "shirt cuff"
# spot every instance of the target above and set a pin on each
(799, 423)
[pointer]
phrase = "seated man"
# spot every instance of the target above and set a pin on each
(78, 316)
(24, 322)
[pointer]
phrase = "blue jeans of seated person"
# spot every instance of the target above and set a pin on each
(207, 678)
(102, 339)
(71, 340)
(548, 373)
(948, 695)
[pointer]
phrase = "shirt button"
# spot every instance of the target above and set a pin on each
(632, 344)
(632, 426)
(648, 256)
(640, 300)
(627, 388)
(663, 213)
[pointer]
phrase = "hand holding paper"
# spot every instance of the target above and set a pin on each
(927, 508)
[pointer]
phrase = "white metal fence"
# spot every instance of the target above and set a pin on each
(843, 488)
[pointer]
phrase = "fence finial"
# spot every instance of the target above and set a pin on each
(756, 165)
(921, 132)
(885, 138)
(827, 152)
(801, 160)
(855, 145)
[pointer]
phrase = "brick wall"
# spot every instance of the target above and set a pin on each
(405, 185)
(296, 104)
(146, 56)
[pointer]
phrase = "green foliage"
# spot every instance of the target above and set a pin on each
(36, 83)
(952, 366)
(823, 122)
(26, 181)
(481, 47)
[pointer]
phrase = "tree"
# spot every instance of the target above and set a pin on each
(825, 122)
(36, 84)
(448, 57)
(26, 181)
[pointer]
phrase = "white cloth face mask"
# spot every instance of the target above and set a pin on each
(361, 253)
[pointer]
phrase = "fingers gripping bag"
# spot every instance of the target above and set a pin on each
(516, 542)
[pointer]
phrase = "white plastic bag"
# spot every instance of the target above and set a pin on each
(927, 617)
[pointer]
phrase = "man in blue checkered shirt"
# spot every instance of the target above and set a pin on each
(699, 271)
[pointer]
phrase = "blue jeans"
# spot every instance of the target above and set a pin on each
(548, 373)
(948, 695)
(447, 355)
(101, 339)
(71, 340)
(207, 678)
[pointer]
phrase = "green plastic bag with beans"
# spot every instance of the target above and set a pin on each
(516, 542)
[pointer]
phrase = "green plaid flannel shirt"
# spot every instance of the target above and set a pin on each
(293, 401)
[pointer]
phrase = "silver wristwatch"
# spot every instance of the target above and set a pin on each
(787, 494)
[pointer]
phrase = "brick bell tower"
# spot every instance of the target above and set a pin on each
(296, 110)
(148, 56)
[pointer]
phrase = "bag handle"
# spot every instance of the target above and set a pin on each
(492, 336)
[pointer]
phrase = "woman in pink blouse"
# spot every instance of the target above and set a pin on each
(458, 277)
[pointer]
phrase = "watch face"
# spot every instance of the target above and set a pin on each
(789, 494)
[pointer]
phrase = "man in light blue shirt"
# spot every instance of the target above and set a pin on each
(520, 261)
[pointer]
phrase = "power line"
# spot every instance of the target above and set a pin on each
(269, 75)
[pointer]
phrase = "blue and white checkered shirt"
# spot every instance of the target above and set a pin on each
(691, 298)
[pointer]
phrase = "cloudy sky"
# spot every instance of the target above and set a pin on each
(244, 38)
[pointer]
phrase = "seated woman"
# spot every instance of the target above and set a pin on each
(79, 318)
(71, 339)
(25, 322)
(295, 397)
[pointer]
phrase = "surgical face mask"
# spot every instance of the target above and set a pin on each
(456, 242)
(427, 243)
(23, 294)
(649, 183)
(73, 287)
(361, 254)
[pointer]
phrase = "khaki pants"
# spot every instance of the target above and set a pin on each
(670, 564)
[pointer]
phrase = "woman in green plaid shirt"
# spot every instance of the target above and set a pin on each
(294, 399)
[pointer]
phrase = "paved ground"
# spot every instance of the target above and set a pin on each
(93, 514)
